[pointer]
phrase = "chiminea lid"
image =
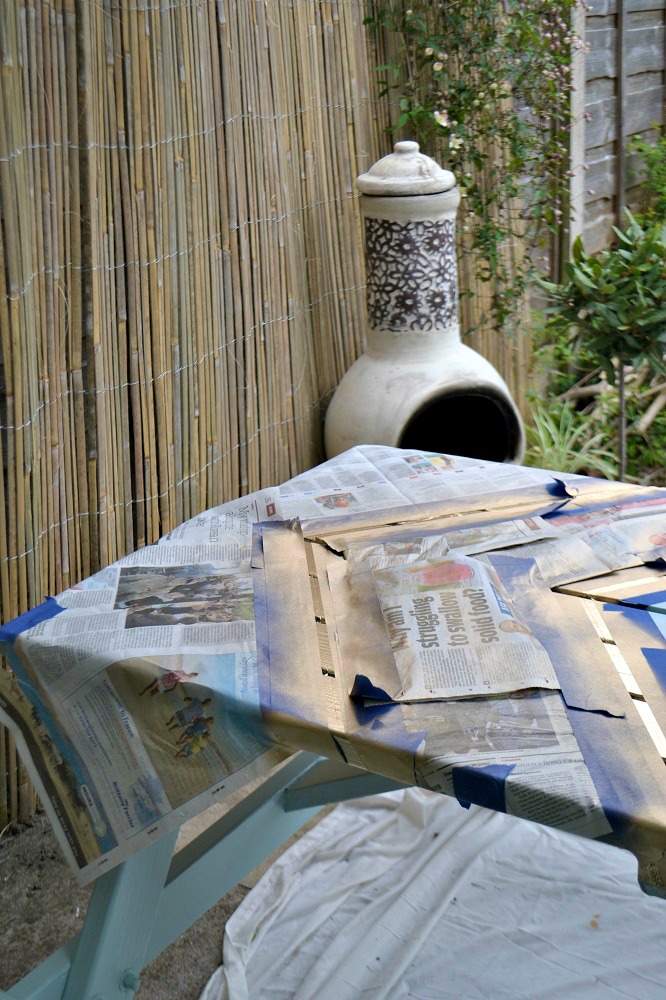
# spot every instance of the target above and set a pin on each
(405, 171)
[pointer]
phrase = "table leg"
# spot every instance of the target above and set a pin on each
(112, 945)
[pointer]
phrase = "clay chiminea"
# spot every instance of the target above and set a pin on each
(417, 385)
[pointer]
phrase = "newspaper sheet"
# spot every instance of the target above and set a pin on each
(609, 502)
(491, 537)
(375, 479)
(181, 672)
(417, 543)
(229, 519)
(582, 551)
(546, 781)
(540, 753)
(453, 631)
(564, 559)
(142, 692)
(629, 540)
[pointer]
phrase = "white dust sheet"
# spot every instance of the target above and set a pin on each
(410, 895)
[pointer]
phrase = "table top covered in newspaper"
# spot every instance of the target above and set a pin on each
(492, 632)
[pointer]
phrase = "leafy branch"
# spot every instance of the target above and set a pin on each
(614, 306)
(484, 86)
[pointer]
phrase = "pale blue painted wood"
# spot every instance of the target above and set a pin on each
(144, 904)
(222, 855)
(317, 795)
(119, 923)
(47, 981)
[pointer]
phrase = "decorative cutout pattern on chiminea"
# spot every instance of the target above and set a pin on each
(417, 385)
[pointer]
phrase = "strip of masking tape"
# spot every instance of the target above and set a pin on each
(623, 670)
(652, 726)
(599, 625)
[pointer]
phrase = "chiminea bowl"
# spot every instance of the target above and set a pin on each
(417, 385)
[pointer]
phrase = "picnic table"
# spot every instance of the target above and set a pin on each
(390, 618)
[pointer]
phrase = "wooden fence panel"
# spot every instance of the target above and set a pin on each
(624, 83)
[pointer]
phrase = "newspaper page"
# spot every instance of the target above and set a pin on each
(454, 632)
(140, 697)
(490, 537)
(612, 502)
(397, 550)
(374, 478)
(545, 779)
(416, 544)
(422, 476)
(582, 552)
(229, 519)
(630, 540)
(515, 752)
(564, 559)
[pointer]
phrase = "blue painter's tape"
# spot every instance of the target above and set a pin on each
(364, 688)
(482, 785)
(367, 712)
(12, 630)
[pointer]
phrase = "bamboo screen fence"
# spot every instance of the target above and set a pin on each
(181, 282)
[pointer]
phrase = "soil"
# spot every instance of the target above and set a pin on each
(42, 906)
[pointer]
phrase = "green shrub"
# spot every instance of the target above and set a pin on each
(613, 305)
(484, 86)
(562, 439)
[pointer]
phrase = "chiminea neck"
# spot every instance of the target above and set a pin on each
(411, 270)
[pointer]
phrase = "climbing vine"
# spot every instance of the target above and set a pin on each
(484, 86)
